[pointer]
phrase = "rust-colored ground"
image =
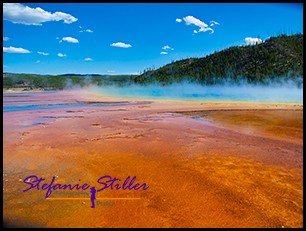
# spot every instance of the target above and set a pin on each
(206, 164)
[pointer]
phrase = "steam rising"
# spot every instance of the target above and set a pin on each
(281, 90)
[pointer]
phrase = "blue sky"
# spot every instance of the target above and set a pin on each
(126, 38)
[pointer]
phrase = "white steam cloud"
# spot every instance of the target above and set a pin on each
(273, 91)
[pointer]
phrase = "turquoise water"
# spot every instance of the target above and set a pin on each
(13, 102)
(14, 108)
(195, 92)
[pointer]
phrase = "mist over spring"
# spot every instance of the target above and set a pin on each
(286, 91)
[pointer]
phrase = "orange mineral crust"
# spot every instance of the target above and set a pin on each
(216, 164)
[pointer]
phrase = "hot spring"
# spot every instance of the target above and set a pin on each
(278, 93)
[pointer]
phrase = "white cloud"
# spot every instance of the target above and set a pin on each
(206, 29)
(38, 61)
(178, 20)
(15, 50)
(42, 53)
(87, 30)
(212, 23)
(195, 31)
(163, 53)
(61, 55)
(70, 40)
(88, 59)
(80, 27)
(110, 71)
(167, 48)
(120, 44)
(18, 13)
(190, 20)
(252, 41)
(5, 38)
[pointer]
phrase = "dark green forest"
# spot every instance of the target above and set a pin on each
(277, 57)
(280, 56)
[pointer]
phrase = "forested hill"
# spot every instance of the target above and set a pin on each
(280, 56)
(277, 57)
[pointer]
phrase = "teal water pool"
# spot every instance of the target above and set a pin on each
(194, 92)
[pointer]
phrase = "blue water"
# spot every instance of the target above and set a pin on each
(14, 108)
(194, 92)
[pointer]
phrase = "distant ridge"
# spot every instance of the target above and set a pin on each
(80, 75)
(280, 56)
(276, 58)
